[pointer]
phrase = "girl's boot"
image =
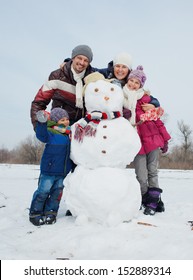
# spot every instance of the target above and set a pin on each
(152, 200)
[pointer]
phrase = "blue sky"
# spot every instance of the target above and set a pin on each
(37, 35)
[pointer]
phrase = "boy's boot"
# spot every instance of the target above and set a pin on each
(50, 217)
(152, 200)
(37, 219)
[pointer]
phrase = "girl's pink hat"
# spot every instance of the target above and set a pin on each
(138, 74)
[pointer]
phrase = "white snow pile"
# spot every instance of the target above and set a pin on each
(100, 188)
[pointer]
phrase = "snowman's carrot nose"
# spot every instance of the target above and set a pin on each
(106, 98)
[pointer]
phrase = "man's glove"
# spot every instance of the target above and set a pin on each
(41, 116)
(165, 148)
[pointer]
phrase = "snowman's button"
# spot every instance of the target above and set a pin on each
(104, 126)
(105, 137)
(103, 151)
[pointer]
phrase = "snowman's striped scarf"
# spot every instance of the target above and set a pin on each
(88, 125)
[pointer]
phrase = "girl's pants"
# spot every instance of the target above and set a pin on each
(146, 170)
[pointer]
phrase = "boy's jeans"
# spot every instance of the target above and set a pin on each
(47, 197)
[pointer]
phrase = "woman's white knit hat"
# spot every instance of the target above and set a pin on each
(123, 58)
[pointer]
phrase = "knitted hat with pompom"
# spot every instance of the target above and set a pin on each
(138, 74)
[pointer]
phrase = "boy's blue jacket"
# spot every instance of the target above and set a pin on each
(56, 156)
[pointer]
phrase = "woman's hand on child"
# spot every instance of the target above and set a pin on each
(147, 106)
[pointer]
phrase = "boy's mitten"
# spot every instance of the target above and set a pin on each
(42, 116)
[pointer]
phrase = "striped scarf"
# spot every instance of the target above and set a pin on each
(88, 125)
(54, 128)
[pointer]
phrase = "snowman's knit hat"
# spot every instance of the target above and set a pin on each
(93, 77)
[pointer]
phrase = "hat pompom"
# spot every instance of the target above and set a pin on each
(140, 67)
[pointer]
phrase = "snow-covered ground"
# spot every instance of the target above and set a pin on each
(170, 237)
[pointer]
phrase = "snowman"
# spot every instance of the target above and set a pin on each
(101, 189)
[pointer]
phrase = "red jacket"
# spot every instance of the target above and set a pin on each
(61, 90)
(153, 134)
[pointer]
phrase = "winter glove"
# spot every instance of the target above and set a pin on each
(95, 115)
(165, 147)
(41, 116)
(152, 114)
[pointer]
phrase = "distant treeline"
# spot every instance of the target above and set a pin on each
(180, 156)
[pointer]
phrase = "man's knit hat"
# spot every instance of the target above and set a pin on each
(83, 50)
(123, 58)
(57, 114)
(138, 74)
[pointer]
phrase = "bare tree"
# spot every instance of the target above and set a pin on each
(185, 135)
(30, 151)
(4, 155)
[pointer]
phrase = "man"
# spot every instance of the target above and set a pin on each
(64, 86)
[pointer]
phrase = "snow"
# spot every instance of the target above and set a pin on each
(170, 239)
(104, 198)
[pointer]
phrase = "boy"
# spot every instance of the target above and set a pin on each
(55, 165)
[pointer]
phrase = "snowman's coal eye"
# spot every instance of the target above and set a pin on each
(112, 89)
(96, 89)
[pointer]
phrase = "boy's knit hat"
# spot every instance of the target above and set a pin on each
(83, 50)
(123, 58)
(57, 114)
(138, 74)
